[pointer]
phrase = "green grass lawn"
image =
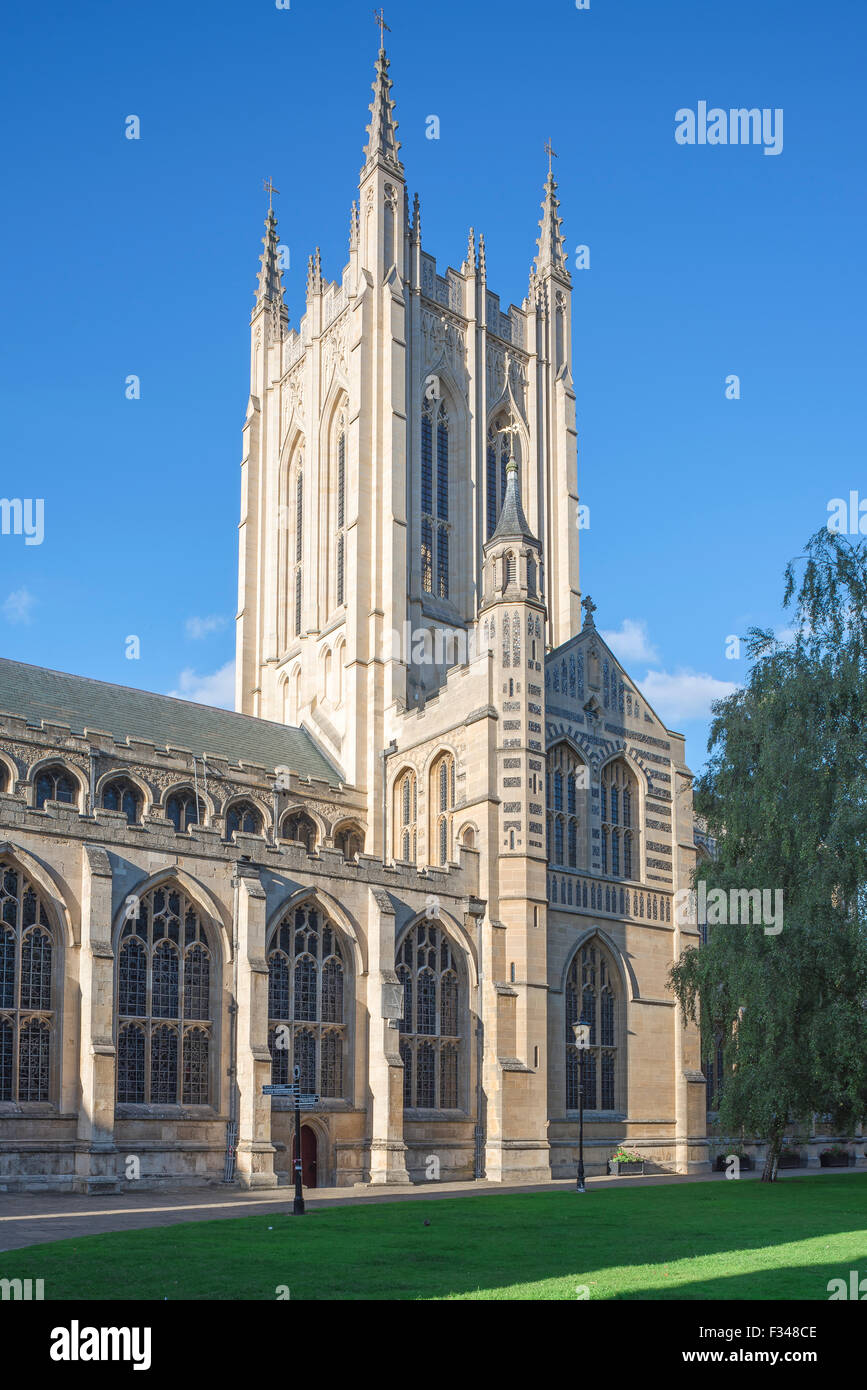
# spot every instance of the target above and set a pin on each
(692, 1241)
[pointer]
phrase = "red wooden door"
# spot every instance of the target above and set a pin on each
(308, 1157)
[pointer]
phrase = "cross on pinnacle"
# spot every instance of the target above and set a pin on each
(380, 19)
(550, 151)
(589, 609)
(270, 190)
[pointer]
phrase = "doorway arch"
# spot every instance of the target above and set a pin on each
(309, 1156)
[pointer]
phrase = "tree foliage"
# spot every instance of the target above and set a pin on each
(785, 796)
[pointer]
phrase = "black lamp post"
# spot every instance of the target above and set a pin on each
(582, 1042)
(298, 1208)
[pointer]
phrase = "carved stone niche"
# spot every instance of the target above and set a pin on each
(594, 678)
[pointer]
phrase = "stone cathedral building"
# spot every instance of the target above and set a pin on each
(443, 824)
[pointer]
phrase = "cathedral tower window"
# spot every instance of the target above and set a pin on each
(591, 996)
(56, 784)
(299, 545)
(500, 449)
(406, 817)
(435, 525)
(27, 1013)
(120, 794)
(165, 1013)
(430, 1042)
(566, 775)
(442, 801)
(617, 802)
(308, 1002)
(340, 510)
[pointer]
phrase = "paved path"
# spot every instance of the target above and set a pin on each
(29, 1218)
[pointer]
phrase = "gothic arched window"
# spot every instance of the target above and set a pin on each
(435, 527)
(617, 802)
(308, 999)
(165, 986)
(299, 543)
(442, 802)
(120, 794)
(297, 825)
(243, 816)
(27, 1016)
(430, 1042)
(406, 817)
(184, 809)
(566, 775)
(340, 510)
(349, 839)
(500, 449)
(54, 783)
(591, 997)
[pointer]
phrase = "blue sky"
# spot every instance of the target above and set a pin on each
(140, 257)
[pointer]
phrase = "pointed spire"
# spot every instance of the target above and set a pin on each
(483, 265)
(549, 255)
(416, 219)
(270, 286)
(314, 274)
(470, 262)
(269, 291)
(354, 227)
(512, 524)
(382, 142)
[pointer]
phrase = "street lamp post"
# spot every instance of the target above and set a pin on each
(582, 1042)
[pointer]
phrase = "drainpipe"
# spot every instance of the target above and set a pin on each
(232, 1126)
(480, 1055)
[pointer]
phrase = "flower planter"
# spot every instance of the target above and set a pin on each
(790, 1160)
(721, 1164)
(626, 1170)
(836, 1160)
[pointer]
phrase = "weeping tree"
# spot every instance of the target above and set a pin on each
(785, 796)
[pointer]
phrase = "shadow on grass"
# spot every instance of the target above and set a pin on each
(538, 1246)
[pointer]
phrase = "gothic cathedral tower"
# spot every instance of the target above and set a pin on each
(374, 467)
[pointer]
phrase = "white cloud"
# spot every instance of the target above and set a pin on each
(216, 689)
(197, 628)
(631, 642)
(681, 695)
(18, 606)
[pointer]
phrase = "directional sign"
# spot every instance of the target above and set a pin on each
(282, 1090)
(305, 1101)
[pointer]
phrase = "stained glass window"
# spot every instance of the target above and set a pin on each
(164, 982)
(434, 498)
(616, 800)
(591, 981)
(442, 800)
(55, 784)
(122, 795)
(406, 807)
(430, 1027)
(243, 816)
(307, 990)
(26, 991)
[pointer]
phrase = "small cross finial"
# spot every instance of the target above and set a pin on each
(589, 609)
(270, 190)
(380, 19)
(551, 153)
